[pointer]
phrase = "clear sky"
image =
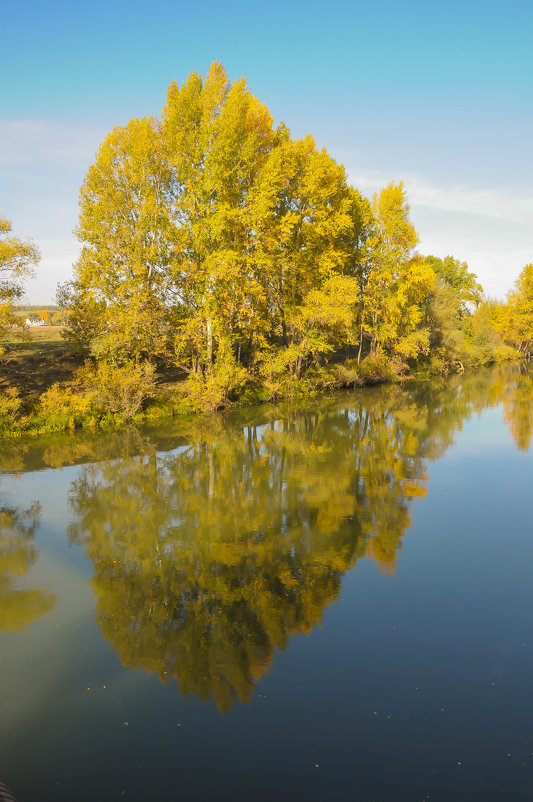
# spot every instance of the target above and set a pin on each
(437, 94)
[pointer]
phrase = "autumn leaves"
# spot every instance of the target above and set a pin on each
(211, 236)
(216, 242)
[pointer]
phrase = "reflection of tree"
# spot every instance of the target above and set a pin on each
(19, 608)
(209, 557)
(210, 554)
(518, 409)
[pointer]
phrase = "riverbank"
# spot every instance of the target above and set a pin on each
(48, 386)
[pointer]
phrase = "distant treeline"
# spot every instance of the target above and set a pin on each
(30, 308)
(51, 315)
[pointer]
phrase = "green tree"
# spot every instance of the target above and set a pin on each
(455, 274)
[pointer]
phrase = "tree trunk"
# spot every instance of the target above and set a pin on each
(360, 344)
(209, 343)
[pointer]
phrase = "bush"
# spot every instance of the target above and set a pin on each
(10, 412)
(349, 374)
(121, 389)
(215, 389)
(61, 408)
(378, 369)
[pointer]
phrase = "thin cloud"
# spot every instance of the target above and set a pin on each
(490, 229)
(458, 198)
(33, 140)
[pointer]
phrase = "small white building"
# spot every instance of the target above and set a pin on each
(34, 321)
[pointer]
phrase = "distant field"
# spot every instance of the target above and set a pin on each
(38, 334)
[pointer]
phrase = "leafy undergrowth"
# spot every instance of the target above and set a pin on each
(104, 396)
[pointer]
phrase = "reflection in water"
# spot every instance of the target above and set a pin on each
(518, 410)
(209, 557)
(19, 608)
(213, 549)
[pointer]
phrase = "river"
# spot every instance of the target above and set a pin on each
(332, 601)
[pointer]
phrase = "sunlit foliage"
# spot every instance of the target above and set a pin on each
(17, 260)
(214, 241)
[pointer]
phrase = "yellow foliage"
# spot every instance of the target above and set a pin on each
(120, 389)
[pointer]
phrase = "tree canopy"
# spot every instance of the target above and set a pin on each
(215, 242)
(213, 238)
(17, 259)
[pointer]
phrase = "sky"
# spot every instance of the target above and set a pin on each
(437, 95)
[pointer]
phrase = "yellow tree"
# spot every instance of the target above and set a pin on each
(121, 292)
(521, 310)
(399, 279)
(307, 231)
(218, 136)
(17, 260)
(299, 211)
(208, 229)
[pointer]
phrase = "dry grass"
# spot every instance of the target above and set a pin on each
(32, 366)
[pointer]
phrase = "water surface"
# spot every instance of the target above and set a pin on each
(324, 602)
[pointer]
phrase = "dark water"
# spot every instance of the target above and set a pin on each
(333, 602)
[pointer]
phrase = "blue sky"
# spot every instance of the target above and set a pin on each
(439, 95)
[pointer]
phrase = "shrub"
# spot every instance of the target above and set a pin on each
(121, 389)
(10, 412)
(61, 408)
(214, 390)
(378, 369)
(349, 374)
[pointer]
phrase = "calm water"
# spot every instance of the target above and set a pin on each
(333, 602)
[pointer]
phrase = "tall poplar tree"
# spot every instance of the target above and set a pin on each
(122, 291)
(218, 136)
(398, 281)
(204, 234)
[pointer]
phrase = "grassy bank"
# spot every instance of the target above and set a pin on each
(48, 386)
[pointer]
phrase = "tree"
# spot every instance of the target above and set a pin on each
(398, 279)
(218, 136)
(121, 290)
(455, 274)
(521, 310)
(204, 233)
(17, 260)
(306, 228)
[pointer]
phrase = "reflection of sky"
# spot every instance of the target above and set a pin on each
(436, 94)
(50, 488)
